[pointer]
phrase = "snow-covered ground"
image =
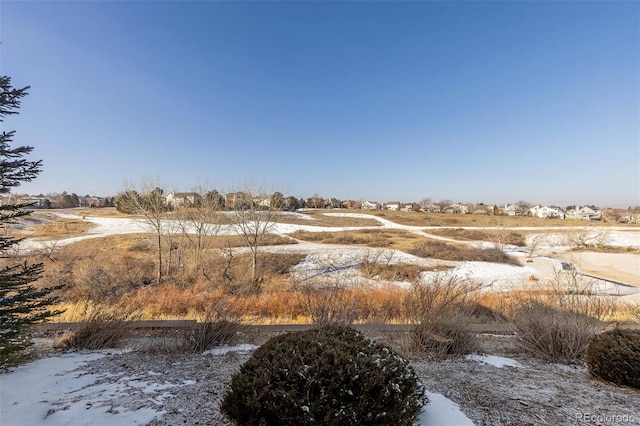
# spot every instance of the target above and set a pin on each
(159, 389)
(342, 262)
(84, 388)
(129, 388)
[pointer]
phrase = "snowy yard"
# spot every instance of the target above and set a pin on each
(135, 388)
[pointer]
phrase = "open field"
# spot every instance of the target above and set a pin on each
(50, 226)
(470, 220)
(445, 282)
(105, 257)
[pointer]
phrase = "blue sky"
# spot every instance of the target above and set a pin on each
(470, 101)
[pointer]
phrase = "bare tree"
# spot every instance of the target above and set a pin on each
(252, 215)
(201, 221)
(148, 201)
(585, 237)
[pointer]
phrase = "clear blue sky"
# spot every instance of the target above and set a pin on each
(470, 101)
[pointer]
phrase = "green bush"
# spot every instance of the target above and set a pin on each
(615, 357)
(330, 375)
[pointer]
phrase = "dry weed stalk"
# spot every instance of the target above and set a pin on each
(98, 327)
(327, 301)
(440, 312)
(556, 324)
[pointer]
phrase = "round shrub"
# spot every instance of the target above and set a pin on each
(330, 376)
(615, 357)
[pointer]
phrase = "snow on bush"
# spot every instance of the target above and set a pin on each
(615, 356)
(329, 375)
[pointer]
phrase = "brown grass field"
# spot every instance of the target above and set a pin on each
(57, 228)
(502, 237)
(117, 272)
(459, 220)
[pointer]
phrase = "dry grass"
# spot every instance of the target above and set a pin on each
(99, 212)
(493, 235)
(278, 304)
(365, 237)
(110, 268)
(610, 249)
(457, 252)
(97, 327)
(461, 220)
(557, 322)
(58, 228)
(440, 312)
(319, 218)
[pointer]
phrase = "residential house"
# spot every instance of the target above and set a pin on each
(315, 202)
(457, 208)
(514, 210)
(431, 208)
(182, 199)
(486, 209)
(370, 205)
(90, 201)
(546, 212)
(234, 200)
(263, 202)
(584, 213)
(348, 204)
(392, 205)
(332, 203)
(410, 207)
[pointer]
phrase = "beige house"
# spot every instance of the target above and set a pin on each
(370, 205)
(181, 199)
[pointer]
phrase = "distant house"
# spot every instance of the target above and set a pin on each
(370, 205)
(182, 199)
(457, 208)
(38, 201)
(234, 200)
(393, 205)
(410, 207)
(348, 204)
(263, 202)
(332, 203)
(514, 210)
(315, 203)
(631, 217)
(90, 201)
(431, 208)
(585, 213)
(546, 212)
(485, 209)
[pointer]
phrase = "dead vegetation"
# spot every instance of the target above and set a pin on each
(440, 313)
(493, 235)
(364, 237)
(450, 251)
(58, 228)
(463, 220)
(117, 273)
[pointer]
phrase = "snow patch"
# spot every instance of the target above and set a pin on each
(496, 361)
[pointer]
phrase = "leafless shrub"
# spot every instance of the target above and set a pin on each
(98, 329)
(440, 312)
(327, 300)
(588, 238)
(534, 243)
(633, 308)
(219, 325)
(557, 324)
(206, 335)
